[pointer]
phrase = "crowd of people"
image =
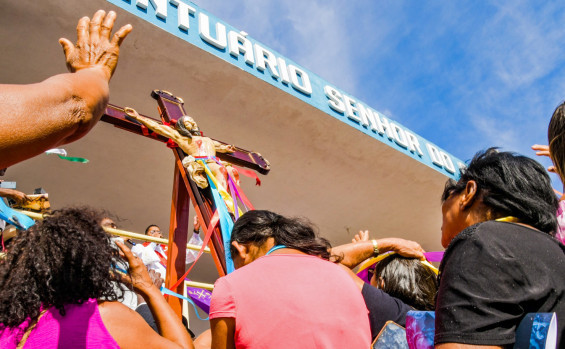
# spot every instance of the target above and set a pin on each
(63, 281)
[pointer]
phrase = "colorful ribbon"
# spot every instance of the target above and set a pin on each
(62, 154)
(249, 173)
(213, 224)
(363, 268)
(226, 222)
(165, 290)
(19, 220)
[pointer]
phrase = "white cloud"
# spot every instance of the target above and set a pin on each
(314, 34)
(465, 75)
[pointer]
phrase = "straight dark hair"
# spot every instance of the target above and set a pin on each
(255, 227)
(509, 184)
(556, 139)
(149, 226)
(408, 280)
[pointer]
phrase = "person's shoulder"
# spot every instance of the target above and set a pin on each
(513, 233)
(495, 230)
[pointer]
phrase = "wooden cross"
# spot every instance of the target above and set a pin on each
(171, 109)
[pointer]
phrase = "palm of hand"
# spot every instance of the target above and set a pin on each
(94, 47)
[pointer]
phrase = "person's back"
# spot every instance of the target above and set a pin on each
(81, 327)
(520, 268)
(292, 301)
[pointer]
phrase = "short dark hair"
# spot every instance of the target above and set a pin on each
(64, 259)
(509, 184)
(255, 227)
(556, 139)
(408, 280)
(149, 226)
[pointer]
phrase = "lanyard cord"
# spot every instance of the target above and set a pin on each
(274, 248)
(508, 219)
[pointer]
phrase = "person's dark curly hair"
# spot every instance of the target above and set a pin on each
(64, 259)
(255, 227)
(509, 184)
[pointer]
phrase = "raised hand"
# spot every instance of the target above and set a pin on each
(196, 224)
(15, 195)
(94, 47)
(406, 248)
(543, 150)
(138, 275)
(363, 235)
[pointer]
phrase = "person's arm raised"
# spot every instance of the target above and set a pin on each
(129, 329)
(355, 253)
(63, 108)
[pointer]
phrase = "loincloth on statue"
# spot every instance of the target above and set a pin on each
(196, 170)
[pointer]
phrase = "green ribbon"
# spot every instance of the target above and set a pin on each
(73, 159)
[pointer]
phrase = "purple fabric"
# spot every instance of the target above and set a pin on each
(560, 233)
(364, 275)
(434, 256)
(81, 327)
(200, 297)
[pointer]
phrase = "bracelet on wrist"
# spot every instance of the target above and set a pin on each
(375, 248)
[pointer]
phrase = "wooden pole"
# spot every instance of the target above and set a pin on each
(178, 236)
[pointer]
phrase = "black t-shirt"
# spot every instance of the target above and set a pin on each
(492, 275)
(383, 308)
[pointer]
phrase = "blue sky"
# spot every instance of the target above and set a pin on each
(465, 75)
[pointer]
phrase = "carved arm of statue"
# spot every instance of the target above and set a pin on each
(224, 148)
(161, 129)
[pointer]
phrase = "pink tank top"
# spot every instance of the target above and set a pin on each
(81, 327)
(560, 233)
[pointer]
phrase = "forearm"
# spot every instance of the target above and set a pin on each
(167, 321)
(355, 253)
(59, 110)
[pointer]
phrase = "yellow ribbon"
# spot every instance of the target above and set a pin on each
(374, 260)
(223, 193)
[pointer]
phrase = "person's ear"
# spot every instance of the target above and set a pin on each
(242, 250)
(469, 194)
(381, 283)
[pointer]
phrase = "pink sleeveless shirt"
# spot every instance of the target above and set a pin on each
(81, 327)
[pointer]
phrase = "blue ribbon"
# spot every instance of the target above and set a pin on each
(165, 290)
(19, 220)
(226, 222)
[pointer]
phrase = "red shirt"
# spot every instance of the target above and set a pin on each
(292, 301)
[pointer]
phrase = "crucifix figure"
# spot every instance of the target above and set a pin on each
(187, 136)
(185, 189)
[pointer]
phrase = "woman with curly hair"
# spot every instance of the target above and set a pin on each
(56, 290)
